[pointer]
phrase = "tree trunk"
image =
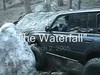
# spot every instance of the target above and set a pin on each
(79, 4)
(60, 3)
(70, 6)
(9, 1)
(27, 6)
(4, 4)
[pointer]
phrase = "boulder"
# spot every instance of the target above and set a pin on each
(16, 58)
(36, 21)
(38, 8)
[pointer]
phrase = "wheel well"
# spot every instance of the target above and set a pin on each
(92, 55)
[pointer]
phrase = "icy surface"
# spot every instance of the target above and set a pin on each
(16, 58)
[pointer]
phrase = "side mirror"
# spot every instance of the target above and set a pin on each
(48, 28)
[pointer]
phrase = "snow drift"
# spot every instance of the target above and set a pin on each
(16, 58)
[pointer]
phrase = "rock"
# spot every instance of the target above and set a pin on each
(39, 8)
(16, 58)
(36, 21)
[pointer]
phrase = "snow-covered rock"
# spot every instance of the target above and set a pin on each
(36, 21)
(38, 8)
(16, 58)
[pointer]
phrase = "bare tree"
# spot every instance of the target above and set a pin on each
(60, 3)
(27, 6)
(79, 4)
(4, 4)
(70, 6)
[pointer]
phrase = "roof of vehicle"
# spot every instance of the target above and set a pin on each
(79, 11)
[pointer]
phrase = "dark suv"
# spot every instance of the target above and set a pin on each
(73, 35)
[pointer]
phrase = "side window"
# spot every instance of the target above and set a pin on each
(91, 20)
(61, 24)
(79, 19)
(71, 22)
(98, 22)
(77, 22)
(84, 22)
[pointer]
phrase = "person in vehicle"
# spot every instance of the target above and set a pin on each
(65, 26)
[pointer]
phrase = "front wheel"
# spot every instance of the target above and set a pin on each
(92, 67)
(38, 57)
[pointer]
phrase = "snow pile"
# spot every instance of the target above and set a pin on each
(16, 58)
(36, 21)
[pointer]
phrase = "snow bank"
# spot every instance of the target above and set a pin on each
(16, 58)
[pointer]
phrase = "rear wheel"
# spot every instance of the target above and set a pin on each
(92, 67)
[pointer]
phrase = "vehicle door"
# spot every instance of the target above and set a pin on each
(76, 40)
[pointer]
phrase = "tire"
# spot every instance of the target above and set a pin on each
(92, 67)
(38, 57)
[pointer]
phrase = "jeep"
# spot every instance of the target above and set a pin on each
(73, 35)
